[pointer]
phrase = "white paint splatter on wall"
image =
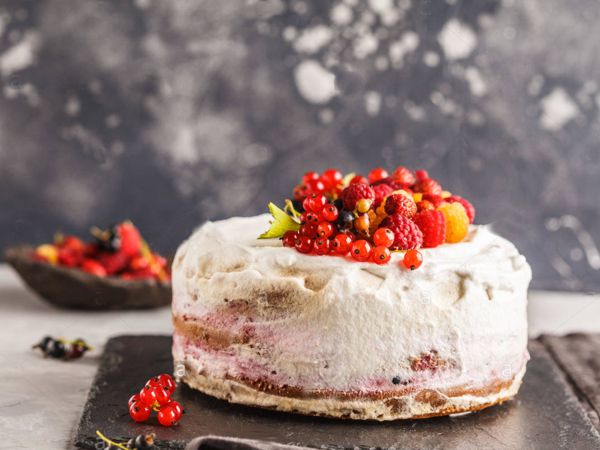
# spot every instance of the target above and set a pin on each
(457, 40)
(557, 109)
(314, 82)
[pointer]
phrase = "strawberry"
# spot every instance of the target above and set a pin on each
(433, 226)
(400, 204)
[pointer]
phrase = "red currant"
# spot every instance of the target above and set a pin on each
(330, 213)
(299, 192)
(321, 246)
(341, 243)
(359, 179)
(139, 412)
(314, 202)
(312, 218)
(412, 259)
(303, 244)
(325, 229)
(289, 238)
(377, 174)
(381, 255)
(135, 398)
(176, 406)
(331, 178)
(383, 237)
(310, 176)
(168, 416)
(361, 250)
(315, 186)
(308, 230)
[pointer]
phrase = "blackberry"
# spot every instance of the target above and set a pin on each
(345, 220)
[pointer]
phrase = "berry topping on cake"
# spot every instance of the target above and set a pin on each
(400, 204)
(365, 219)
(356, 192)
(457, 221)
(406, 233)
(433, 226)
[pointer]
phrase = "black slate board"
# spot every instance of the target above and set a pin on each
(546, 414)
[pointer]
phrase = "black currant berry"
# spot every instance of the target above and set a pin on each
(345, 220)
(56, 349)
(338, 204)
(142, 442)
(297, 204)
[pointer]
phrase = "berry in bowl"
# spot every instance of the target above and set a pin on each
(115, 270)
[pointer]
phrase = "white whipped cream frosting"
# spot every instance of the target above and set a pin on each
(330, 322)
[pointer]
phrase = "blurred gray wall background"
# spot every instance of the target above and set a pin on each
(174, 112)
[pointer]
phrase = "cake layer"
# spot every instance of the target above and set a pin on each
(249, 313)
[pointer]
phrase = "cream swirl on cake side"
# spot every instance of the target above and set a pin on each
(260, 324)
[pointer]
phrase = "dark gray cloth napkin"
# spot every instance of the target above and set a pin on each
(227, 443)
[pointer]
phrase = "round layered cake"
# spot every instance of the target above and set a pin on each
(260, 324)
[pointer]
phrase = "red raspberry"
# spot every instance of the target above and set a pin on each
(356, 179)
(433, 226)
(436, 200)
(424, 204)
(400, 204)
(469, 208)
(428, 186)
(354, 193)
(404, 176)
(407, 234)
(113, 262)
(421, 175)
(389, 181)
(381, 191)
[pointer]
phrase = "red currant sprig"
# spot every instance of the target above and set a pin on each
(156, 396)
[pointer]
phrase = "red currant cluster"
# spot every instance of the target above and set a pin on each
(369, 217)
(117, 251)
(156, 396)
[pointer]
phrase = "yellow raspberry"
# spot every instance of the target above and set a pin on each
(457, 221)
(48, 252)
(417, 197)
(446, 194)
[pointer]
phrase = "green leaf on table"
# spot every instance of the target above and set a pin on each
(280, 224)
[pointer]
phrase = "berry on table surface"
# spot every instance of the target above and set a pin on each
(47, 253)
(400, 204)
(139, 412)
(383, 237)
(360, 250)
(406, 233)
(412, 259)
(168, 416)
(141, 442)
(457, 221)
(355, 192)
(377, 174)
(381, 255)
(432, 224)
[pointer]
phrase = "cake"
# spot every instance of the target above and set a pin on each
(259, 322)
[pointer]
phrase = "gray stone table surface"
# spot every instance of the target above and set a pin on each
(42, 399)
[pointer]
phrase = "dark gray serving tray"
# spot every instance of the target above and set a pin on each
(545, 415)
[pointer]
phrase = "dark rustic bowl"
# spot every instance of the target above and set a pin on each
(75, 289)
